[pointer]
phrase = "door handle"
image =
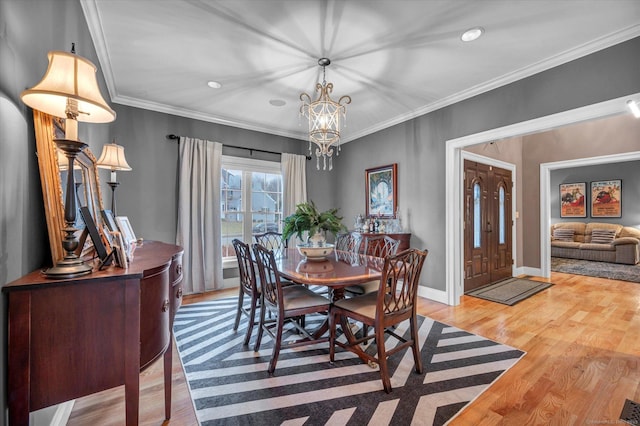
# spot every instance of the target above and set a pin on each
(488, 227)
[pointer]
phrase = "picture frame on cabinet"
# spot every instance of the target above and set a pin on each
(124, 226)
(96, 238)
(120, 249)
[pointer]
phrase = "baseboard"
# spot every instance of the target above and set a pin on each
(433, 294)
(527, 270)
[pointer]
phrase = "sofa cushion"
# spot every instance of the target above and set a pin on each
(600, 225)
(602, 236)
(597, 246)
(563, 234)
(566, 244)
(577, 227)
(629, 231)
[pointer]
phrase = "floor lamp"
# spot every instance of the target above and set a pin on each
(112, 158)
(69, 89)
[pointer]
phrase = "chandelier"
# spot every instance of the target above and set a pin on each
(324, 115)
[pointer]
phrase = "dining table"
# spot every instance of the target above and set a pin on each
(337, 271)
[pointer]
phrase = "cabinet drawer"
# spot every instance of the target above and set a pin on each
(176, 284)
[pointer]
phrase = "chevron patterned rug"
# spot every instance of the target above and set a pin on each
(229, 383)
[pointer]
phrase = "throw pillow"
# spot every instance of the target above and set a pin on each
(563, 234)
(602, 236)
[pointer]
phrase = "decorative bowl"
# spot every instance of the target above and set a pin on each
(315, 253)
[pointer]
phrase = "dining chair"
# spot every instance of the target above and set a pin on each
(393, 303)
(376, 246)
(348, 242)
(248, 287)
(287, 304)
(271, 240)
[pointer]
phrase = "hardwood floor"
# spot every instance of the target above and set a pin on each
(582, 338)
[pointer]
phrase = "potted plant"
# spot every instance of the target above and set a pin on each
(308, 218)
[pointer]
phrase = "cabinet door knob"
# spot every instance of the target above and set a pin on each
(179, 293)
(179, 269)
(165, 305)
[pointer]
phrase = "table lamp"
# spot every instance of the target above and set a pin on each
(69, 89)
(112, 158)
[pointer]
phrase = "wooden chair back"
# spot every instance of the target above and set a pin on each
(271, 240)
(380, 246)
(246, 269)
(269, 276)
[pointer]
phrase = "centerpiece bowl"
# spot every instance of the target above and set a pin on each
(315, 254)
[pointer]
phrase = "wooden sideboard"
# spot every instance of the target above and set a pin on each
(74, 337)
(404, 237)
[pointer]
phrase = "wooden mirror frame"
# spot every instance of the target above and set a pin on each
(52, 187)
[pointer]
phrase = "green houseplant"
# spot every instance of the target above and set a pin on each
(308, 218)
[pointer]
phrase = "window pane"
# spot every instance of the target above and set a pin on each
(266, 202)
(231, 228)
(477, 241)
(501, 219)
(249, 209)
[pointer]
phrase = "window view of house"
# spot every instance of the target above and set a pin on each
(251, 200)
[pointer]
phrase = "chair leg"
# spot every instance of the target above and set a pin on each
(382, 360)
(417, 359)
(332, 336)
(252, 320)
(276, 345)
(260, 327)
(239, 311)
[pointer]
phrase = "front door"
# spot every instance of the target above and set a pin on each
(487, 224)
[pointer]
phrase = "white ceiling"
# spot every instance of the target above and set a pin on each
(397, 59)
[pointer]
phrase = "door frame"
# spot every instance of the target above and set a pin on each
(465, 155)
(454, 185)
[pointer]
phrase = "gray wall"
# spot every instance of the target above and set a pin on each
(628, 171)
(418, 146)
(29, 29)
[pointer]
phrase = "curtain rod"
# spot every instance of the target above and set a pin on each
(176, 137)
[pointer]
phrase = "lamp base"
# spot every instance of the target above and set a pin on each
(68, 268)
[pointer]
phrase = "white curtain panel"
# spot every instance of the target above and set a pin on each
(199, 230)
(294, 182)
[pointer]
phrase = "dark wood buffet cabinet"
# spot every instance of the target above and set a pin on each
(403, 237)
(74, 337)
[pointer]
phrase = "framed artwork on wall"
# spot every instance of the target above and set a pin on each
(606, 198)
(381, 188)
(572, 199)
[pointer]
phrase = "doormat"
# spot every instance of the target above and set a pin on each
(509, 291)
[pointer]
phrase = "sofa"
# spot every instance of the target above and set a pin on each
(603, 242)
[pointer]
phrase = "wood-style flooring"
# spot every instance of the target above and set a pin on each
(582, 338)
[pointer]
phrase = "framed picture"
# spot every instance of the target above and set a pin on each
(96, 238)
(109, 220)
(606, 198)
(120, 249)
(125, 228)
(572, 199)
(381, 187)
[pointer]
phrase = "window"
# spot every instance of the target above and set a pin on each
(250, 199)
(501, 216)
(477, 214)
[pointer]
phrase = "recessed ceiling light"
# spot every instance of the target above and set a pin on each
(214, 84)
(472, 34)
(277, 102)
